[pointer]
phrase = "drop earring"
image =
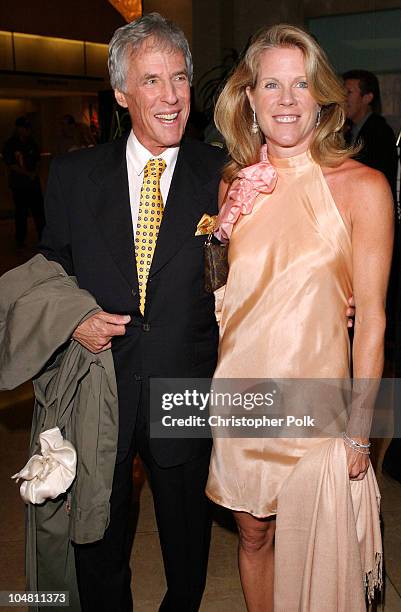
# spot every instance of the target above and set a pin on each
(319, 113)
(255, 125)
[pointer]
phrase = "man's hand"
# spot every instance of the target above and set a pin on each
(350, 312)
(96, 333)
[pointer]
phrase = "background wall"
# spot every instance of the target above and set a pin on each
(218, 25)
(179, 11)
(93, 20)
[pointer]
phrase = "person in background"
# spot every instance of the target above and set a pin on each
(368, 127)
(21, 155)
(74, 135)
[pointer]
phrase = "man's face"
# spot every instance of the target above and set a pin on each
(157, 95)
(357, 104)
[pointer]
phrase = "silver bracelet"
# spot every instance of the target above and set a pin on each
(355, 442)
(363, 449)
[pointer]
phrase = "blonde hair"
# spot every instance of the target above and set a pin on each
(233, 113)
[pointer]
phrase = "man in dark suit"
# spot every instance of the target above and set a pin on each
(157, 317)
(368, 127)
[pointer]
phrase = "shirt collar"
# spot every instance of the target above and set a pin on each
(356, 127)
(139, 156)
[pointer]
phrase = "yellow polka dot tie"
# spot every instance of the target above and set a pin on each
(149, 218)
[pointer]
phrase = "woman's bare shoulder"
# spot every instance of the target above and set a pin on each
(354, 183)
(352, 175)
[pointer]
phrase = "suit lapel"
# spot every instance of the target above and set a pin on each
(182, 212)
(111, 209)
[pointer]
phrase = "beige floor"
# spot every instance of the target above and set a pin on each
(223, 592)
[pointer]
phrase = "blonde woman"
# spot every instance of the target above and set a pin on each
(307, 226)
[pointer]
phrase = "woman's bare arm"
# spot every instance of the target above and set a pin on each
(223, 190)
(372, 248)
(364, 200)
(219, 294)
(371, 215)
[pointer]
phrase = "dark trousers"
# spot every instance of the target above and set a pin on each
(183, 517)
(28, 198)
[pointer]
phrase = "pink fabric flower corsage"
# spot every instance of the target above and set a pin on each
(251, 181)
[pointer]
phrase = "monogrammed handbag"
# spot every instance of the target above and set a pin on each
(216, 264)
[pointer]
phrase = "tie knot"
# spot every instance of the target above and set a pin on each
(155, 167)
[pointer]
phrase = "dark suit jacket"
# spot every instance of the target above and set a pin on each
(379, 150)
(89, 231)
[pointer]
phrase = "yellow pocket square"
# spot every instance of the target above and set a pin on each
(206, 225)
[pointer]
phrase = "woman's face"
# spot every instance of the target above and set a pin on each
(285, 109)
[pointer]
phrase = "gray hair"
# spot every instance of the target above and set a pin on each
(131, 36)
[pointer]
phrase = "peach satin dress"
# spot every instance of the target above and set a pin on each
(283, 316)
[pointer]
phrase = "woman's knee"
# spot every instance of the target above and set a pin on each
(256, 535)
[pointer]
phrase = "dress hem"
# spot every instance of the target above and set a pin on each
(219, 502)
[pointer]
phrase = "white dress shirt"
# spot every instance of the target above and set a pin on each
(137, 158)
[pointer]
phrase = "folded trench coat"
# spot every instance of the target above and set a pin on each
(75, 390)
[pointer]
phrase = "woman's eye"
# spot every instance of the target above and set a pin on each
(302, 84)
(270, 85)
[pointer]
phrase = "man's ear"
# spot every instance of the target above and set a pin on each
(120, 97)
(368, 98)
